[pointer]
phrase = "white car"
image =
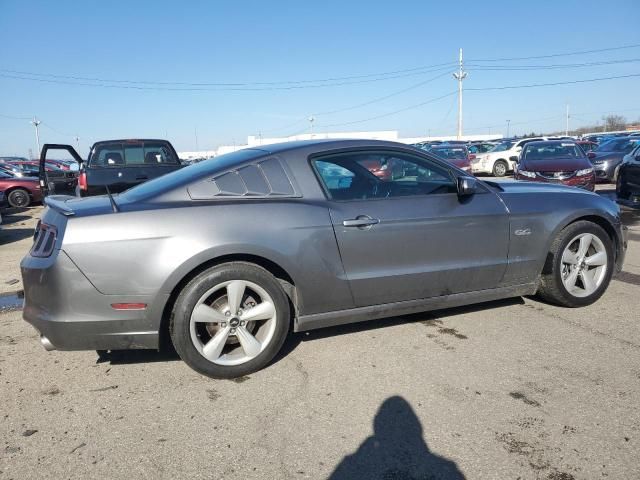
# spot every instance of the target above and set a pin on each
(497, 161)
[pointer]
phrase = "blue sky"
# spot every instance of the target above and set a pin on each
(249, 42)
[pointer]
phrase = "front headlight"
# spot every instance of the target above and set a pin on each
(527, 173)
(584, 171)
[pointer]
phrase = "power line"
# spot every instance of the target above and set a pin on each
(364, 104)
(553, 55)
(13, 117)
(284, 84)
(410, 107)
(134, 85)
(549, 67)
(508, 87)
(380, 99)
(570, 82)
(241, 84)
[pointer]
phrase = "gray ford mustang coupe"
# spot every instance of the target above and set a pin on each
(224, 258)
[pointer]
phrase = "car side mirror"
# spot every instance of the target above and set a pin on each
(514, 159)
(467, 186)
(591, 155)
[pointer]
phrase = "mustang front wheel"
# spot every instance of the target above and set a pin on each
(579, 266)
(230, 320)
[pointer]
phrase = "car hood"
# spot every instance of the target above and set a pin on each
(555, 165)
(608, 156)
(537, 187)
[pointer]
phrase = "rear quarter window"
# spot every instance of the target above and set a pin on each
(266, 178)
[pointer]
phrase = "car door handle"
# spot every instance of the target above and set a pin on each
(142, 177)
(361, 221)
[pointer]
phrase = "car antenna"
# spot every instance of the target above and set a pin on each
(114, 205)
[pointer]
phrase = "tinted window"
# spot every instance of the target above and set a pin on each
(368, 175)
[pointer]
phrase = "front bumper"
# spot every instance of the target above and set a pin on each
(586, 182)
(71, 314)
(605, 171)
(621, 246)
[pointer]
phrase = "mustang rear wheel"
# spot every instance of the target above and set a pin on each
(230, 320)
(579, 266)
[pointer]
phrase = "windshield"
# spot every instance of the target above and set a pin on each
(618, 145)
(451, 153)
(551, 151)
(502, 147)
(188, 174)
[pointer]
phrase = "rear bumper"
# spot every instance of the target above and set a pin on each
(66, 309)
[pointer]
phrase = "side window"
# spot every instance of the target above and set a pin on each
(109, 155)
(369, 175)
(158, 153)
(334, 176)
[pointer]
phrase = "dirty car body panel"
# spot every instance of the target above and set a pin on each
(269, 206)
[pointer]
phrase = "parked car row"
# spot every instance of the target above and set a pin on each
(19, 179)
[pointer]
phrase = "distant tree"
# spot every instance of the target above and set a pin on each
(614, 122)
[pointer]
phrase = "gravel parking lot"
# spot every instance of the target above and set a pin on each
(505, 390)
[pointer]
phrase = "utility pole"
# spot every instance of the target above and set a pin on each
(460, 75)
(508, 123)
(566, 130)
(195, 133)
(311, 120)
(35, 122)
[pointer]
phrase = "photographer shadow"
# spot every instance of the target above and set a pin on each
(396, 450)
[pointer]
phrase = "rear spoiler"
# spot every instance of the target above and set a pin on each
(59, 204)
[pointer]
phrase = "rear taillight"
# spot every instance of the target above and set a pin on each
(82, 181)
(44, 240)
(472, 156)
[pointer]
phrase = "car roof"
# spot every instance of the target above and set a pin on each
(131, 140)
(320, 145)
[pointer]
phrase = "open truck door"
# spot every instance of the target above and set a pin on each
(47, 183)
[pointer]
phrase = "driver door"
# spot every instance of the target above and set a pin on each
(410, 236)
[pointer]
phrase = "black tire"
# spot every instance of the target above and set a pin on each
(19, 198)
(551, 288)
(179, 327)
(500, 168)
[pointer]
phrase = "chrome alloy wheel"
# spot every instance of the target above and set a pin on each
(584, 265)
(233, 322)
